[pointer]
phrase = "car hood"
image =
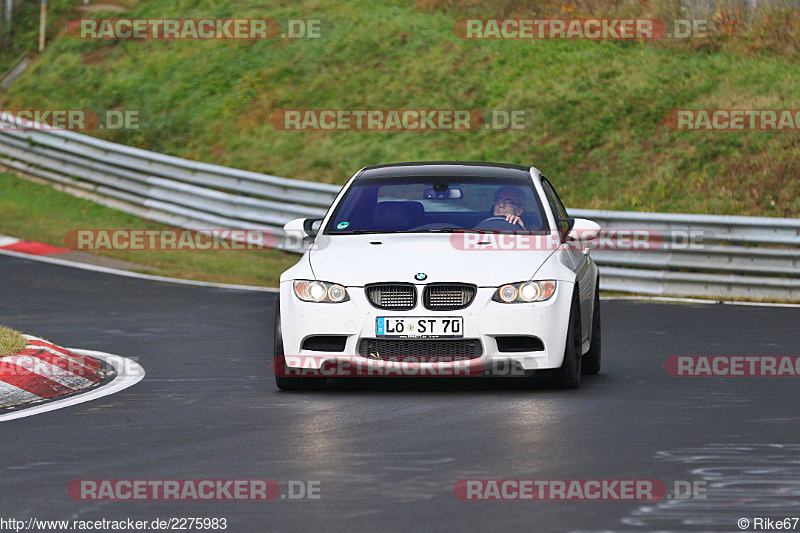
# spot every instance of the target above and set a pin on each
(356, 260)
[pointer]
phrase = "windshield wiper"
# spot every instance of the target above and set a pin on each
(455, 230)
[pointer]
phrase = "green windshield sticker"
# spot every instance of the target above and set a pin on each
(342, 225)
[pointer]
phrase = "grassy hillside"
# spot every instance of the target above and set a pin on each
(598, 128)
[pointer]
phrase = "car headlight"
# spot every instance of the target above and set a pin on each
(320, 291)
(526, 291)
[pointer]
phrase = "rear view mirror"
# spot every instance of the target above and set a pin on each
(449, 194)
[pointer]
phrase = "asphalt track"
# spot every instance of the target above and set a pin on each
(388, 453)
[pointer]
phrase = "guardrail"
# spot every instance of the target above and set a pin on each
(704, 255)
(163, 188)
(739, 256)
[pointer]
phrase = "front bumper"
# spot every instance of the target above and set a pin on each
(484, 321)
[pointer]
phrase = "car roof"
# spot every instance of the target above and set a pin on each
(446, 168)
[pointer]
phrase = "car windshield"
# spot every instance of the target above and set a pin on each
(421, 205)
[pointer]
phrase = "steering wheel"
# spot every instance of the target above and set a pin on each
(498, 224)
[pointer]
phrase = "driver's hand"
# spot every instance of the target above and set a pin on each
(514, 219)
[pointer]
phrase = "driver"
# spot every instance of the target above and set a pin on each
(508, 204)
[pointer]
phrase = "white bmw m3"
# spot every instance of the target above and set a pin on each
(436, 265)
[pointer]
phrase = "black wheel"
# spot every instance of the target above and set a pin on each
(290, 382)
(568, 376)
(591, 359)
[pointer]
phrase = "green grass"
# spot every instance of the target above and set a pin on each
(598, 107)
(11, 342)
(30, 211)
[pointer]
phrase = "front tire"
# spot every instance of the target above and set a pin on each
(568, 376)
(591, 359)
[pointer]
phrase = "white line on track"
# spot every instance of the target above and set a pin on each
(129, 372)
(118, 272)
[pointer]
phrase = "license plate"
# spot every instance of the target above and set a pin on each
(422, 327)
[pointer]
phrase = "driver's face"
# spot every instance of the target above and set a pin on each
(507, 204)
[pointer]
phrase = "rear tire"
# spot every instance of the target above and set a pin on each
(568, 376)
(591, 359)
(290, 383)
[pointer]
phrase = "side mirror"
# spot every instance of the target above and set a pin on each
(583, 230)
(301, 228)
